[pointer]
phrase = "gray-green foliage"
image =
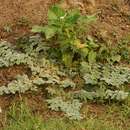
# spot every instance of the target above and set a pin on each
(106, 81)
(116, 95)
(116, 76)
(10, 57)
(91, 73)
(41, 75)
(67, 83)
(43, 72)
(112, 75)
(32, 45)
(70, 108)
(84, 95)
(21, 84)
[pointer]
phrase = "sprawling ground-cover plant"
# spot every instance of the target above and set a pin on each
(102, 82)
(114, 53)
(9, 56)
(105, 82)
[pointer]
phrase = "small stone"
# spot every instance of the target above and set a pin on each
(0, 110)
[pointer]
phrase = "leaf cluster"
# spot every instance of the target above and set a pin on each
(101, 79)
(70, 108)
(10, 57)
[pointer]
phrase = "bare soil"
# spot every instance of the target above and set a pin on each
(34, 10)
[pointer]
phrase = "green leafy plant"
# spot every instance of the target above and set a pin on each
(32, 45)
(21, 84)
(71, 109)
(124, 48)
(66, 31)
(114, 53)
(9, 56)
(104, 82)
(116, 95)
(67, 83)
(109, 53)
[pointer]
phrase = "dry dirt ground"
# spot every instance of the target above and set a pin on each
(113, 23)
(34, 10)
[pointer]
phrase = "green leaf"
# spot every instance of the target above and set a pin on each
(37, 29)
(55, 12)
(67, 83)
(51, 15)
(92, 43)
(92, 57)
(103, 50)
(116, 58)
(84, 52)
(67, 59)
(49, 31)
(73, 17)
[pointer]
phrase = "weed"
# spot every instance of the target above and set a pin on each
(66, 29)
(21, 118)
